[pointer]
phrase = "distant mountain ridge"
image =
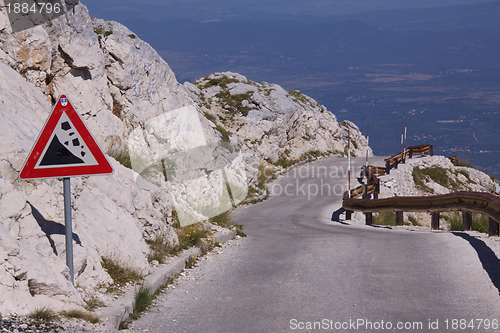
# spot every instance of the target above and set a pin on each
(479, 16)
(303, 47)
(366, 11)
(376, 75)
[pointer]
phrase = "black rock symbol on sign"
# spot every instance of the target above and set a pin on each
(58, 154)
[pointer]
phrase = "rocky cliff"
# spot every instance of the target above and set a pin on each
(275, 127)
(121, 87)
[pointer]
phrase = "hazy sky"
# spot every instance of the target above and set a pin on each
(240, 9)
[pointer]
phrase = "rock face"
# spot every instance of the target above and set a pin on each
(274, 126)
(119, 84)
(115, 81)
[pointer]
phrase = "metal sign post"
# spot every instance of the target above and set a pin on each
(68, 228)
(65, 148)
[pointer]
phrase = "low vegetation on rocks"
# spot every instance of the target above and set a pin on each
(273, 127)
(436, 175)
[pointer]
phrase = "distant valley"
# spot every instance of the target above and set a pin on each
(372, 68)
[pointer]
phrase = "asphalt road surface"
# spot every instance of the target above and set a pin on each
(299, 271)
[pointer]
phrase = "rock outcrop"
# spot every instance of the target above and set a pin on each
(115, 81)
(433, 175)
(119, 84)
(274, 126)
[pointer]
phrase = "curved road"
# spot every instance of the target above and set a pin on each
(298, 271)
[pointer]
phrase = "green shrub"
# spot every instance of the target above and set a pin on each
(221, 81)
(121, 155)
(285, 162)
(480, 222)
(99, 30)
(234, 102)
(413, 220)
(191, 262)
(44, 314)
(143, 299)
(454, 219)
(224, 220)
(160, 248)
(264, 175)
(210, 117)
(191, 235)
(224, 132)
(93, 303)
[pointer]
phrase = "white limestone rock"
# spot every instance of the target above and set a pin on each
(147, 86)
(275, 123)
(448, 178)
(112, 215)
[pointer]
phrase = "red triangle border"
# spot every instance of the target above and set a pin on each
(103, 166)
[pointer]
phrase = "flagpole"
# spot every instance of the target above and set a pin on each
(404, 154)
(367, 143)
(349, 161)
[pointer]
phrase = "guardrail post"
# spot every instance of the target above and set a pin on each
(431, 150)
(435, 221)
(387, 167)
(492, 227)
(348, 214)
(399, 218)
(369, 218)
(467, 219)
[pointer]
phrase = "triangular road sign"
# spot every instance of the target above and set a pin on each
(65, 148)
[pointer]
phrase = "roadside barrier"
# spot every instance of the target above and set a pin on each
(466, 202)
(394, 160)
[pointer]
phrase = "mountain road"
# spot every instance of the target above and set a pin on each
(299, 271)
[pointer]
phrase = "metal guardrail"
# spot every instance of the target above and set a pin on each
(467, 202)
(373, 183)
(477, 202)
(394, 160)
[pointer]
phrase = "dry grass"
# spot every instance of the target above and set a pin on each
(78, 314)
(120, 273)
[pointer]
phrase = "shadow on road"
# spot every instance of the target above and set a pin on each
(488, 258)
(336, 214)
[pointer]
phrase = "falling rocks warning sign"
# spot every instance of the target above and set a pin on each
(65, 148)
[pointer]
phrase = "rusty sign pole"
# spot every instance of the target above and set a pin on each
(349, 161)
(402, 134)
